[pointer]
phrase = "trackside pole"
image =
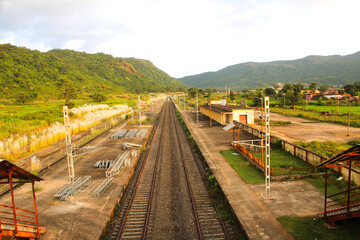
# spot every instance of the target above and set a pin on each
(267, 147)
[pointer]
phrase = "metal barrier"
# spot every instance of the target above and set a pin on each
(117, 164)
(67, 190)
(119, 134)
(142, 133)
(103, 164)
(131, 133)
(102, 187)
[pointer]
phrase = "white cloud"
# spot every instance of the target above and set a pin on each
(185, 37)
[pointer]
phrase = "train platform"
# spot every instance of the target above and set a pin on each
(252, 209)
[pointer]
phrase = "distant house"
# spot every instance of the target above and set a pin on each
(346, 95)
(308, 96)
(333, 97)
(331, 91)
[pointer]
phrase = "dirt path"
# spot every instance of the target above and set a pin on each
(307, 130)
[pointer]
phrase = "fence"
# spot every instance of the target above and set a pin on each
(252, 158)
(306, 155)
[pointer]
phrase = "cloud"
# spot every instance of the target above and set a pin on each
(185, 37)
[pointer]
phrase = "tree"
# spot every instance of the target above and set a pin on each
(287, 87)
(209, 90)
(312, 87)
(232, 95)
(257, 99)
(67, 89)
(350, 89)
(299, 87)
(323, 88)
(269, 91)
(245, 90)
(293, 98)
(98, 97)
(25, 97)
(201, 91)
(192, 92)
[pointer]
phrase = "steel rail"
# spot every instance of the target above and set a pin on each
(201, 170)
(139, 178)
(188, 181)
(157, 160)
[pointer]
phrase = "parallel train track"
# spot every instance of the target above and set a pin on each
(136, 218)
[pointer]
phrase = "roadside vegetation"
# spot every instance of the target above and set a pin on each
(327, 148)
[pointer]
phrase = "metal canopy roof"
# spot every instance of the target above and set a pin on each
(224, 109)
(6, 167)
(228, 127)
(352, 153)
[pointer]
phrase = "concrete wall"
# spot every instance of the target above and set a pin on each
(218, 117)
(248, 112)
(306, 155)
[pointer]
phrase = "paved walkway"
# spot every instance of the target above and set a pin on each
(257, 220)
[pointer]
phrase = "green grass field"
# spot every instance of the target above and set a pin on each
(25, 119)
(342, 119)
(310, 228)
(246, 171)
(342, 110)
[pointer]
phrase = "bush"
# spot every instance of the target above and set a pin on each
(354, 142)
(277, 144)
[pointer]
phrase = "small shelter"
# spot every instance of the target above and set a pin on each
(14, 221)
(226, 114)
(345, 204)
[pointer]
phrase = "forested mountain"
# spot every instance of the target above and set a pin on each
(330, 70)
(22, 69)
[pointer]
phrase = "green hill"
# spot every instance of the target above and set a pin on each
(22, 69)
(330, 70)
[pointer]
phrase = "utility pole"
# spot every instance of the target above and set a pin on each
(325, 107)
(284, 100)
(139, 106)
(267, 147)
(226, 92)
(184, 101)
(197, 109)
(69, 151)
(210, 113)
(262, 126)
(348, 130)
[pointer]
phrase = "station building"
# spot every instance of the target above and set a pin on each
(227, 113)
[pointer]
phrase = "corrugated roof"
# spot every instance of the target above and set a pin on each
(227, 108)
(352, 153)
(6, 167)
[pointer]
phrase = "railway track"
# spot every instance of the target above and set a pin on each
(167, 198)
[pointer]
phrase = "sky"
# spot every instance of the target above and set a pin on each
(186, 37)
